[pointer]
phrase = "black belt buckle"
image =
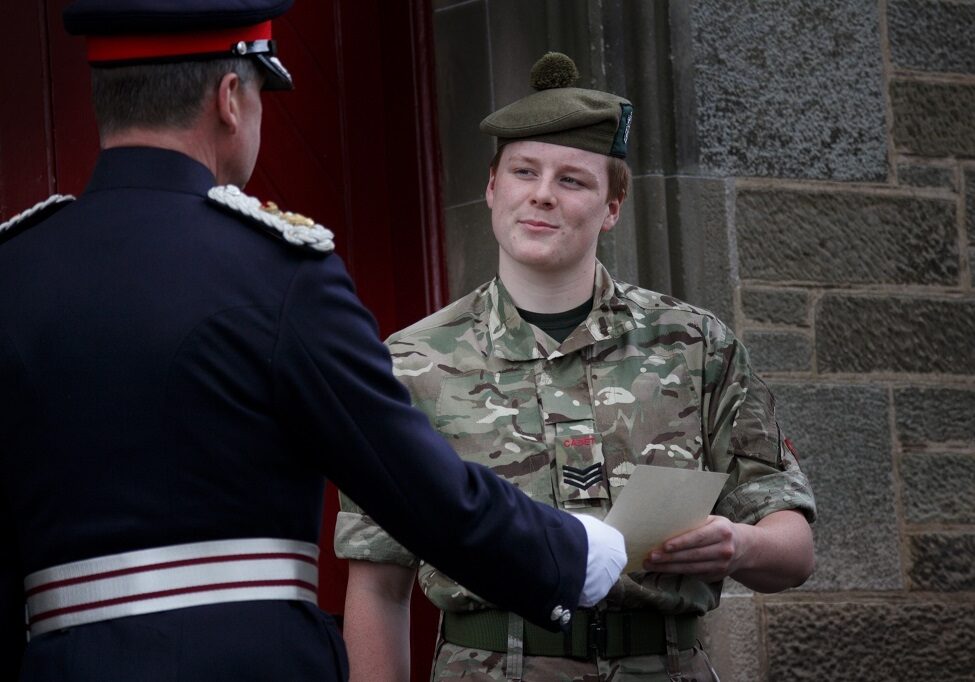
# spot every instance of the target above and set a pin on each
(597, 637)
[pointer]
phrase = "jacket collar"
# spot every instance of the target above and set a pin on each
(149, 168)
(511, 338)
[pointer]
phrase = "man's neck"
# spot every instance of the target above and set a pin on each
(188, 142)
(548, 291)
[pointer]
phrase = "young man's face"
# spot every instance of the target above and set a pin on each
(548, 205)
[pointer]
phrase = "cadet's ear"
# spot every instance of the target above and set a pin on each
(228, 108)
(612, 215)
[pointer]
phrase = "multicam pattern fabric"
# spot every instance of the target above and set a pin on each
(646, 379)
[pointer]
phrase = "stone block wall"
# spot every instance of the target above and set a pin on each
(806, 169)
(853, 291)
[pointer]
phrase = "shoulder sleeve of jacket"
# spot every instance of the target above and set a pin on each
(745, 438)
(358, 537)
(337, 394)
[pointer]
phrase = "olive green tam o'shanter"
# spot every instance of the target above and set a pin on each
(557, 113)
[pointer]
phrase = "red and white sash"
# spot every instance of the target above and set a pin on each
(173, 577)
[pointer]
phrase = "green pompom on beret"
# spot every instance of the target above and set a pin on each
(554, 70)
(557, 113)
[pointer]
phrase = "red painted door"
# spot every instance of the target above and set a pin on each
(354, 146)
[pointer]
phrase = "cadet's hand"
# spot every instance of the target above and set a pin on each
(605, 561)
(774, 554)
(710, 552)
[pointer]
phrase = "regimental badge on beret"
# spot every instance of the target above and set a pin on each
(33, 215)
(558, 113)
(293, 228)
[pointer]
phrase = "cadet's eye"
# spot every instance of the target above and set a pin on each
(569, 180)
(523, 171)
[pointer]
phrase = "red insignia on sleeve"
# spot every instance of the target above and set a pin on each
(792, 448)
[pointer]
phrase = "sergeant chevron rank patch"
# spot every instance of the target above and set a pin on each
(293, 228)
(582, 478)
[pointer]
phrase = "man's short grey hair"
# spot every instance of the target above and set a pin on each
(159, 96)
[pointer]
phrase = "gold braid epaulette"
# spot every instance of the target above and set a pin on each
(293, 228)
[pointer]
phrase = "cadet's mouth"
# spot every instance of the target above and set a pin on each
(539, 224)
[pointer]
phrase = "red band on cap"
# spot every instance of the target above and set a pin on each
(137, 47)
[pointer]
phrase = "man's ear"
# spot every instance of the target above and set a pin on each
(228, 108)
(489, 191)
(612, 215)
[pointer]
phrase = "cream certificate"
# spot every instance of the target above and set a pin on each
(660, 502)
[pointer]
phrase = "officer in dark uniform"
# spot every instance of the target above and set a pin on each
(179, 369)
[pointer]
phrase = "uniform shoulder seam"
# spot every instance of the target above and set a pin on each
(648, 300)
(445, 317)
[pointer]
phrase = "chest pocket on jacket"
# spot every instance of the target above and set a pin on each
(649, 410)
(578, 444)
(494, 418)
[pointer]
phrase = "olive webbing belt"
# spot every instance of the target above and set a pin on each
(611, 634)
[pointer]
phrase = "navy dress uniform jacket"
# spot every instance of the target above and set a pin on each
(170, 374)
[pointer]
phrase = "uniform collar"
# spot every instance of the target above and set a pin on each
(513, 339)
(149, 168)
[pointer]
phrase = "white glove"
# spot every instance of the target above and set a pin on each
(607, 557)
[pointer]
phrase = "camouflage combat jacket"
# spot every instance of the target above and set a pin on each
(646, 379)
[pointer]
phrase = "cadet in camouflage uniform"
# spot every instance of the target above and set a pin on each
(565, 406)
